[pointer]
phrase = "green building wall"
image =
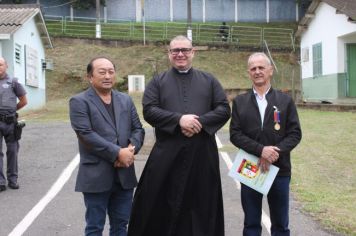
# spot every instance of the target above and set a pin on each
(326, 87)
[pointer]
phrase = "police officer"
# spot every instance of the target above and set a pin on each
(10, 90)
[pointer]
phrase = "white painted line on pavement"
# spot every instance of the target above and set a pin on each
(39, 207)
(227, 159)
(265, 218)
(229, 164)
(266, 221)
(218, 142)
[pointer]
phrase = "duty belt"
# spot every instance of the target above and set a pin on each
(8, 118)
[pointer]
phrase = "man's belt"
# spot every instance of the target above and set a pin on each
(8, 118)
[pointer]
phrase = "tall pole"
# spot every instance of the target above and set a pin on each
(267, 11)
(71, 12)
(189, 20)
(143, 21)
(98, 26)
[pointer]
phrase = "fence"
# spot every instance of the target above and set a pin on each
(202, 33)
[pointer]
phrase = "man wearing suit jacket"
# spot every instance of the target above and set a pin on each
(265, 123)
(109, 134)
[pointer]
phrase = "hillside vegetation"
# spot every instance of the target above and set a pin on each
(70, 58)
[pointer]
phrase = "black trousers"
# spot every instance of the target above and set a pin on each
(12, 145)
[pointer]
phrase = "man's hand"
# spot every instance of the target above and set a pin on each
(264, 165)
(270, 154)
(22, 102)
(118, 164)
(125, 157)
(188, 133)
(190, 125)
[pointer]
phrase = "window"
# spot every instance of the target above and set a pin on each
(305, 54)
(317, 60)
(18, 53)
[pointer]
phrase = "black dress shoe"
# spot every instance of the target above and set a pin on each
(13, 185)
(2, 188)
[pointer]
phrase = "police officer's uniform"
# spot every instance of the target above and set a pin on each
(10, 90)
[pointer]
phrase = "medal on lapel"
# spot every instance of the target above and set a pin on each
(276, 118)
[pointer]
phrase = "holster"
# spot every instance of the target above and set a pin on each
(18, 129)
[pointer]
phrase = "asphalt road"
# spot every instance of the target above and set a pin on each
(46, 151)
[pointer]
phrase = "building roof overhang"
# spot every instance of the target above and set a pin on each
(14, 16)
(347, 7)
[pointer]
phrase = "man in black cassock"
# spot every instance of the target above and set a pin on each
(179, 192)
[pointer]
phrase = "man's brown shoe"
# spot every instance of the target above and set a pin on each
(2, 188)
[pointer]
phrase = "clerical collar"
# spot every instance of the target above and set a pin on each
(183, 71)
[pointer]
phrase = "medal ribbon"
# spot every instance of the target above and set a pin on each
(276, 115)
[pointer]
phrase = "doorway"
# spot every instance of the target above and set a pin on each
(351, 69)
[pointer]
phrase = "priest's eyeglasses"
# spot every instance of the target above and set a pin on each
(175, 51)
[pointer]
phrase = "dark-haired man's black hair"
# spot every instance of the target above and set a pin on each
(90, 65)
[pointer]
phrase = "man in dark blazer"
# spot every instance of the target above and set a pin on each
(265, 123)
(109, 134)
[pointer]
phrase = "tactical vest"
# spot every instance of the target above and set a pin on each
(8, 98)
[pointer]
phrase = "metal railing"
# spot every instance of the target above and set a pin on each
(203, 33)
(247, 36)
